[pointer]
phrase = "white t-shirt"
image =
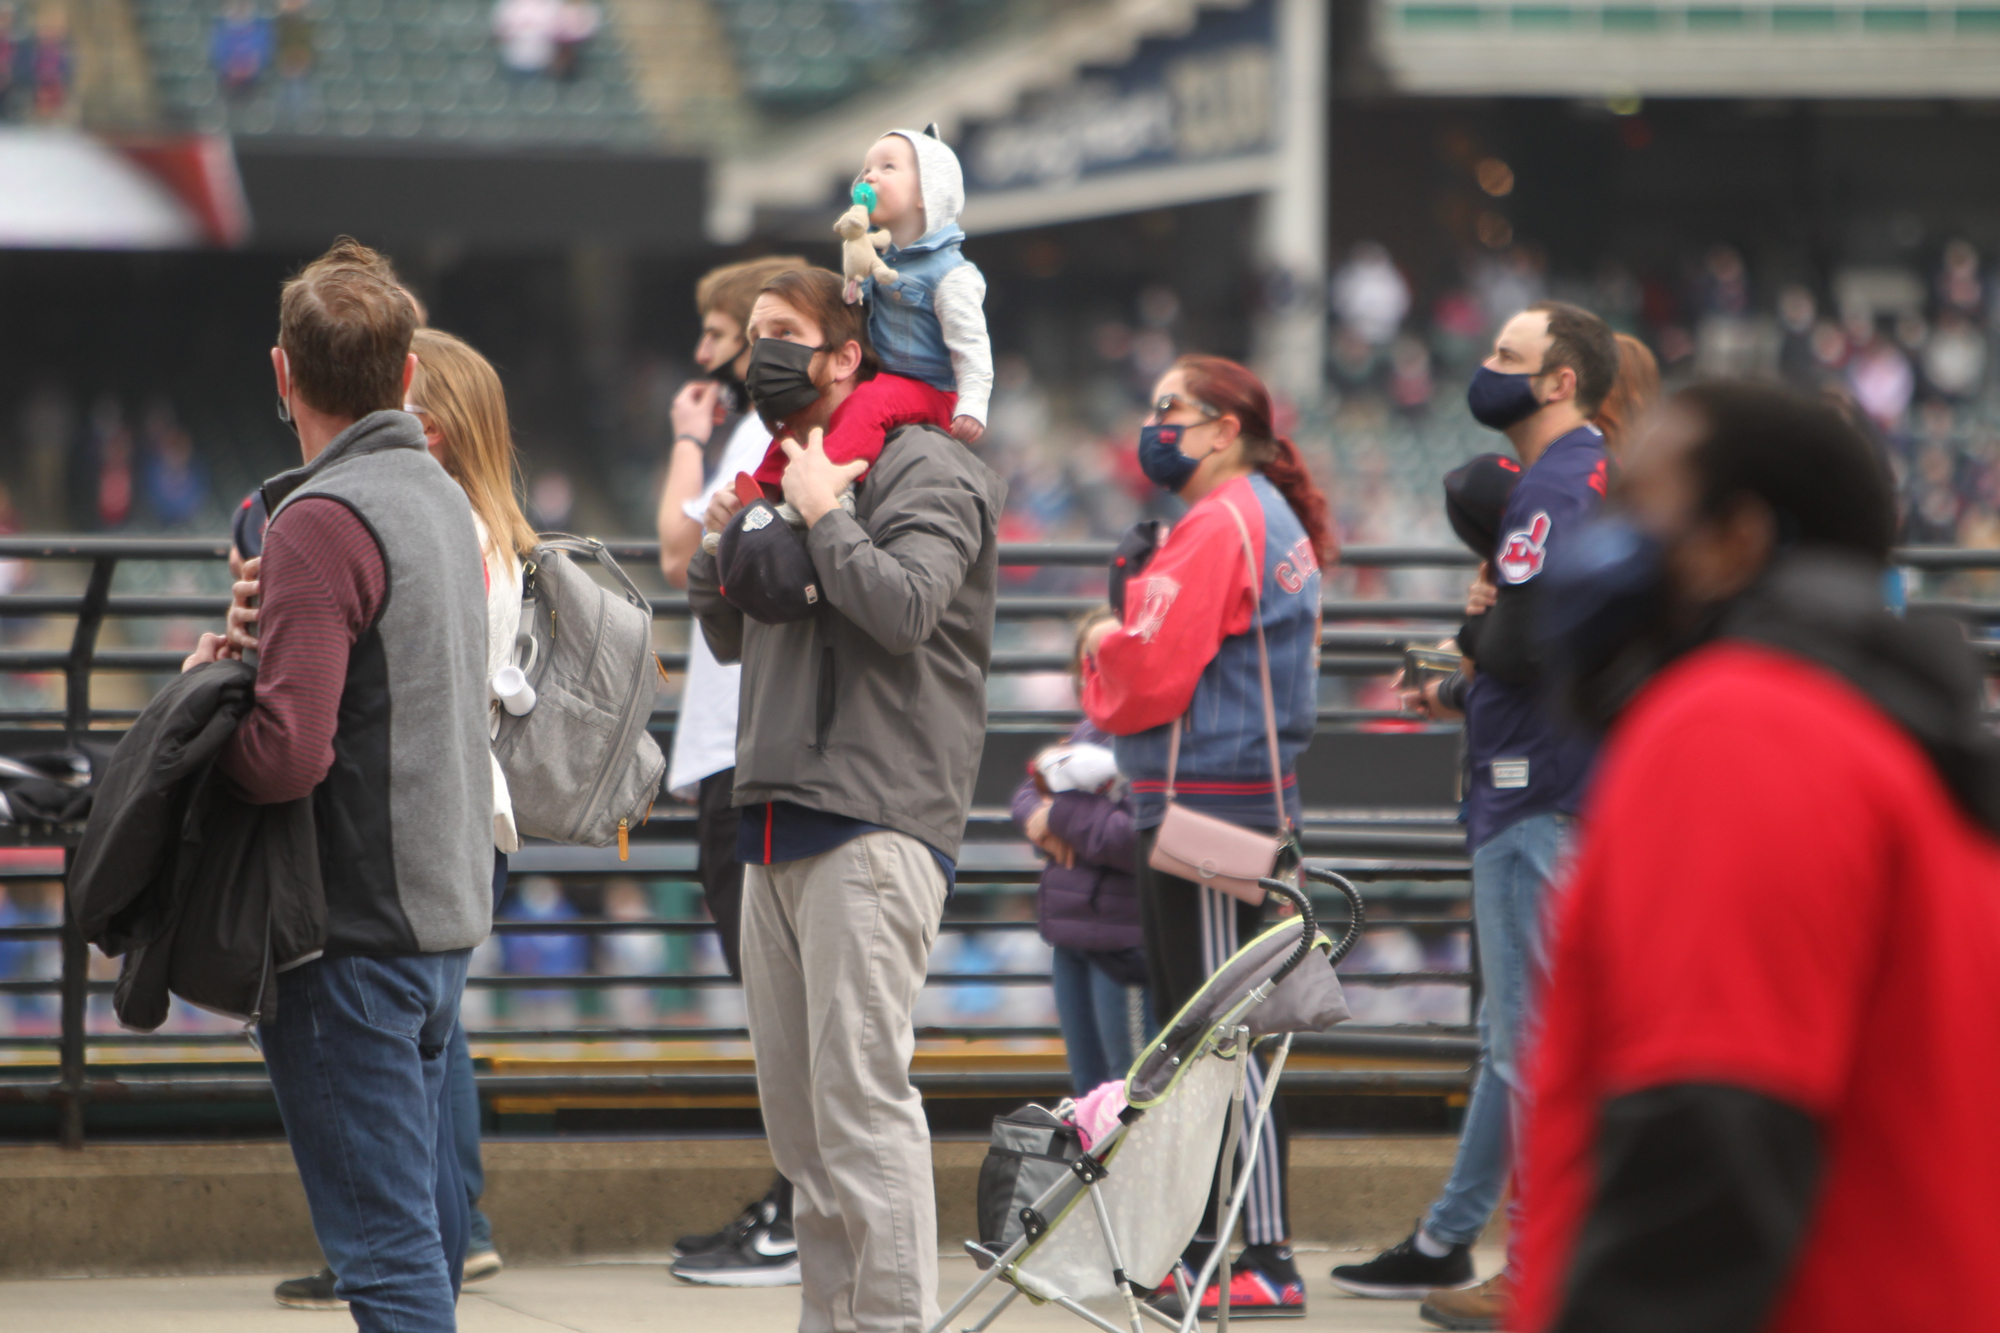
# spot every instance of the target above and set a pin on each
(503, 622)
(705, 736)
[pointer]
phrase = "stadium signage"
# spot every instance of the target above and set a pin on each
(1206, 97)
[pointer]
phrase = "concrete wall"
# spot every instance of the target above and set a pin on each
(131, 1210)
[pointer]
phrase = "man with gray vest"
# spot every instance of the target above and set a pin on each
(861, 723)
(371, 699)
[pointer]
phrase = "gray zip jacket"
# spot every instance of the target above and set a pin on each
(875, 708)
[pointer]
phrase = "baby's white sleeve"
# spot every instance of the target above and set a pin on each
(960, 302)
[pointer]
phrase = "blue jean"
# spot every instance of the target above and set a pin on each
(1511, 874)
(357, 1054)
(1102, 1020)
(463, 1094)
(1479, 1171)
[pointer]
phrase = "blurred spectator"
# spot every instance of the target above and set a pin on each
(1933, 499)
(631, 955)
(13, 56)
(989, 952)
(1798, 364)
(1726, 343)
(1458, 328)
(294, 41)
(176, 481)
(241, 48)
(577, 22)
(1369, 294)
(1352, 361)
(1410, 385)
(111, 447)
(549, 501)
(1959, 286)
(13, 573)
(1508, 284)
(47, 429)
(1617, 296)
(527, 32)
(31, 903)
(541, 899)
(1399, 950)
(1954, 357)
(52, 64)
(1878, 373)
(1724, 285)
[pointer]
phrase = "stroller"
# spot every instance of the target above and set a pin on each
(1183, 1092)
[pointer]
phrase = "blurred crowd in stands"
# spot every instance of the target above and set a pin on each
(250, 48)
(37, 62)
(1909, 349)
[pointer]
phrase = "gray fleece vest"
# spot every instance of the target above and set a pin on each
(406, 814)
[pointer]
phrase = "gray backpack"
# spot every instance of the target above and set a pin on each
(580, 765)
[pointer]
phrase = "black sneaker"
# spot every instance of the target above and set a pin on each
(766, 1256)
(310, 1293)
(759, 1214)
(1406, 1273)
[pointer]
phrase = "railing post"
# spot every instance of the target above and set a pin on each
(75, 999)
(83, 646)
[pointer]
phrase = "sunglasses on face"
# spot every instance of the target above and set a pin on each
(1170, 401)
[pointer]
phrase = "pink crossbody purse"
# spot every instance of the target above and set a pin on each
(1213, 851)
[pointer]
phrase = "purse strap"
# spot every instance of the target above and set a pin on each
(1263, 672)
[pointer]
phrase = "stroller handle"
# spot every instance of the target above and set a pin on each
(1357, 917)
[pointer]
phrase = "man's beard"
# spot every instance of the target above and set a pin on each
(807, 419)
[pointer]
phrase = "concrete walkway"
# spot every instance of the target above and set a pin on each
(581, 1298)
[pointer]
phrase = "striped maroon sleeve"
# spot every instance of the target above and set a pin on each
(322, 583)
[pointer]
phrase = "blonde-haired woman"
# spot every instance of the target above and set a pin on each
(456, 394)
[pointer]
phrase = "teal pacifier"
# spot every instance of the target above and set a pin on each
(864, 194)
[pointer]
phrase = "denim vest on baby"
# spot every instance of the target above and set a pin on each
(903, 322)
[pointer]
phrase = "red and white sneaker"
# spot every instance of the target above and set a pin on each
(1252, 1295)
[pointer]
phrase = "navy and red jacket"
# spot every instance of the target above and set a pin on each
(1186, 648)
(1524, 758)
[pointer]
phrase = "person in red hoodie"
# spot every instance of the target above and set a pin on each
(1762, 1097)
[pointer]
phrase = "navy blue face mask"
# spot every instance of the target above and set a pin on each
(1161, 459)
(1498, 400)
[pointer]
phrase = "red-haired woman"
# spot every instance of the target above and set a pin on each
(1187, 649)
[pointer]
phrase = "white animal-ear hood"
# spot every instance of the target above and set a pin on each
(939, 176)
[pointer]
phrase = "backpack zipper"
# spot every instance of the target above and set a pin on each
(624, 833)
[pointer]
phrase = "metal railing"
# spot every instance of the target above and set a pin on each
(1412, 847)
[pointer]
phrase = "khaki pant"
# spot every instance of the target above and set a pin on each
(835, 949)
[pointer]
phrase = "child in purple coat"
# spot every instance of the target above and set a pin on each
(1088, 903)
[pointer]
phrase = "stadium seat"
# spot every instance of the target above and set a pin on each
(396, 69)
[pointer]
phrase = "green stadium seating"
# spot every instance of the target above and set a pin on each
(399, 69)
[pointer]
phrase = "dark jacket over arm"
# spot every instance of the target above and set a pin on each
(1703, 1196)
(1504, 644)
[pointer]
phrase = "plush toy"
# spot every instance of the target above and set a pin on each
(861, 251)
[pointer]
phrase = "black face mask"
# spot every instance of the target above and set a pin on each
(735, 394)
(779, 380)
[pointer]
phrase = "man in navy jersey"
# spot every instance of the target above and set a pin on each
(1551, 367)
